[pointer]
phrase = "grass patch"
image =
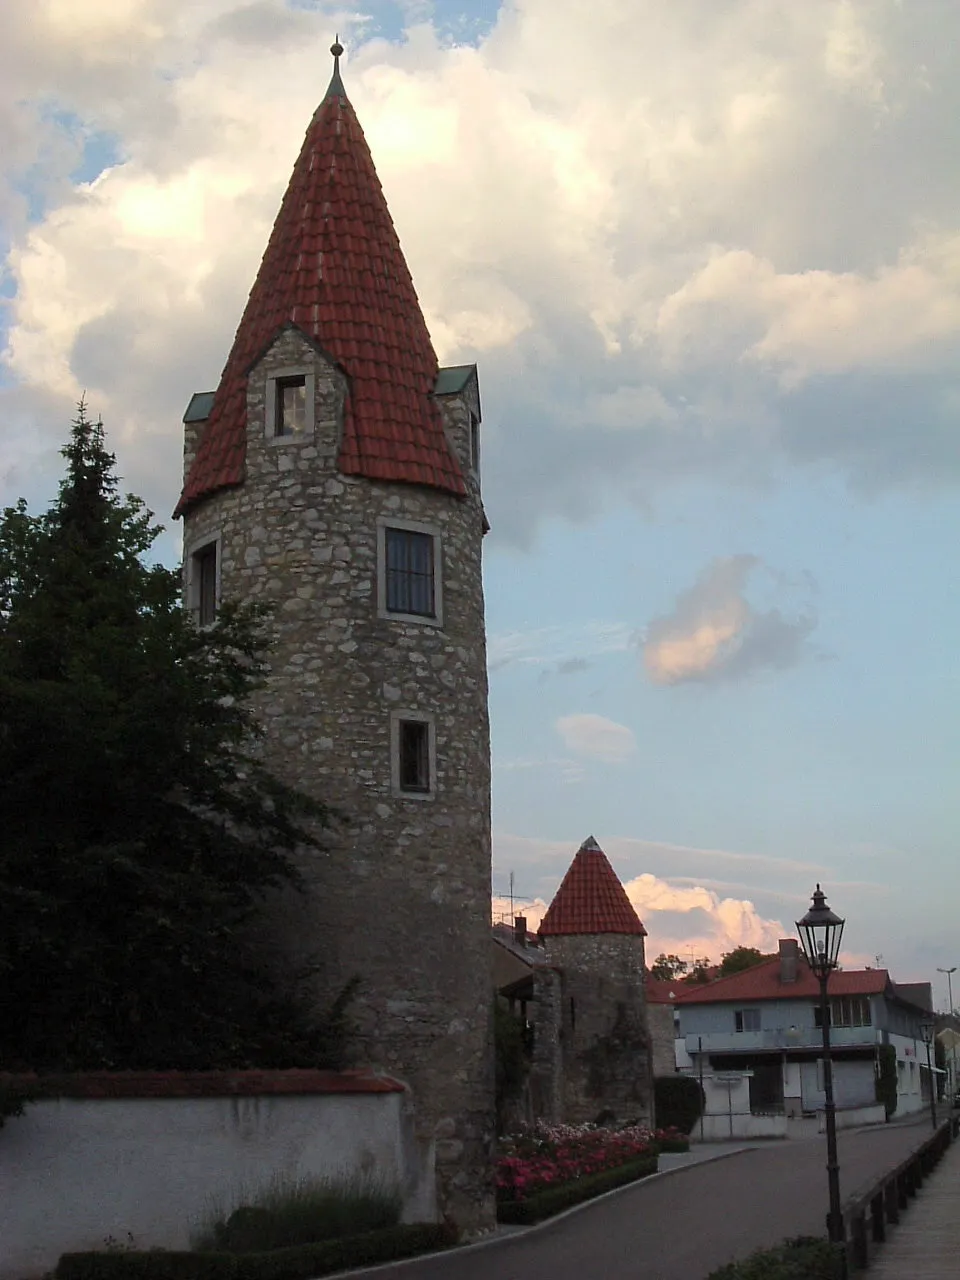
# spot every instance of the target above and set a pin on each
(289, 1212)
(300, 1262)
(805, 1258)
(544, 1204)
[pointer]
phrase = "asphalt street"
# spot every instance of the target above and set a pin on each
(682, 1226)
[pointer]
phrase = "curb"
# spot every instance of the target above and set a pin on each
(500, 1236)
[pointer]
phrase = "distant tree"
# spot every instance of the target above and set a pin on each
(887, 1089)
(511, 1059)
(740, 958)
(139, 829)
(668, 968)
(699, 972)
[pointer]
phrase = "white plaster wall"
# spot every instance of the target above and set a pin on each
(850, 1117)
(721, 1128)
(75, 1171)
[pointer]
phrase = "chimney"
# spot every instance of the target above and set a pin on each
(789, 959)
(520, 930)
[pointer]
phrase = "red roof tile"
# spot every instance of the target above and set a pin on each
(590, 899)
(762, 982)
(335, 269)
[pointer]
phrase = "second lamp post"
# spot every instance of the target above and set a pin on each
(820, 933)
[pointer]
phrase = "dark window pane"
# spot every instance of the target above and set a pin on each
(410, 573)
(291, 414)
(414, 756)
(205, 570)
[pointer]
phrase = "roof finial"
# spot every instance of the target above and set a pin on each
(335, 88)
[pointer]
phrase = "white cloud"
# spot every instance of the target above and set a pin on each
(717, 924)
(713, 632)
(649, 273)
(595, 736)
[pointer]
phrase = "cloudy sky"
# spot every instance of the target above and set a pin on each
(707, 256)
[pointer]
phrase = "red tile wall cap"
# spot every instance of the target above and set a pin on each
(197, 1084)
(334, 268)
(590, 899)
(762, 982)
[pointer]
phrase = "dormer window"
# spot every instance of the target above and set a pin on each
(474, 442)
(291, 412)
(290, 406)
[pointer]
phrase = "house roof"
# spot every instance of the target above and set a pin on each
(590, 899)
(762, 982)
(334, 269)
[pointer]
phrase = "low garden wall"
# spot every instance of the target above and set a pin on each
(743, 1124)
(142, 1158)
(850, 1117)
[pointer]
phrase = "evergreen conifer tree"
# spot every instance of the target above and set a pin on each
(138, 831)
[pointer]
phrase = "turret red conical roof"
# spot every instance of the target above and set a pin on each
(334, 268)
(591, 898)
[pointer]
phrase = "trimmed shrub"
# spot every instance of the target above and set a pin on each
(301, 1262)
(298, 1211)
(804, 1258)
(544, 1204)
(886, 1078)
(678, 1102)
(672, 1144)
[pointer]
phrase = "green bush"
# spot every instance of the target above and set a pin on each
(672, 1144)
(886, 1078)
(678, 1101)
(546, 1203)
(805, 1258)
(303, 1262)
(301, 1211)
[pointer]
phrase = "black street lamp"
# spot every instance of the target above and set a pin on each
(927, 1027)
(820, 933)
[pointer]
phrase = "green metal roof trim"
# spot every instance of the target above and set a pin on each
(198, 410)
(451, 381)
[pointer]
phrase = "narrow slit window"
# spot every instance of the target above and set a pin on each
(410, 573)
(291, 409)
(414, 747)
(474, 442)
(205, 577)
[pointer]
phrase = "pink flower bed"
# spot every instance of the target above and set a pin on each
(549, 1155)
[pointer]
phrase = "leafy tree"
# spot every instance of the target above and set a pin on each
(511, 1059)
(140, 830)
(886, 1078)
(668, 968)
(740, 958)
(699, 972)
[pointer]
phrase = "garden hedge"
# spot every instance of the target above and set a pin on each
(805, 1258)
(678, 1102)
(300, 1262)
(672, 1144)
(544, 1204)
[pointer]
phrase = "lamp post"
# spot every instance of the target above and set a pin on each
(926, 1030)
(820, 933)
(949, 973)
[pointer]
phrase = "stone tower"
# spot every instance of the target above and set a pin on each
(334, 473)
(592, 1043)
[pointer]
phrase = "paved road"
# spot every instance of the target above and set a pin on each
(683, 1226)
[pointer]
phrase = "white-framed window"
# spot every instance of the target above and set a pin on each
(413, 755)
(290, 404)
(203, 579)
(409, 572)
(746, 1019)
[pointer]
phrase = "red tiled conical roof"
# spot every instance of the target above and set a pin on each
(591, 898)
(334, 268)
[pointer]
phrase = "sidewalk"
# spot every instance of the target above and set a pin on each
(925, 1245)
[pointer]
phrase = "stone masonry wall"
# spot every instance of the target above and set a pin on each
(400, 895)
(605, 1046)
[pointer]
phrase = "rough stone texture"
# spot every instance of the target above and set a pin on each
(662, 1037)
(592, 1048)
(400, 896)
